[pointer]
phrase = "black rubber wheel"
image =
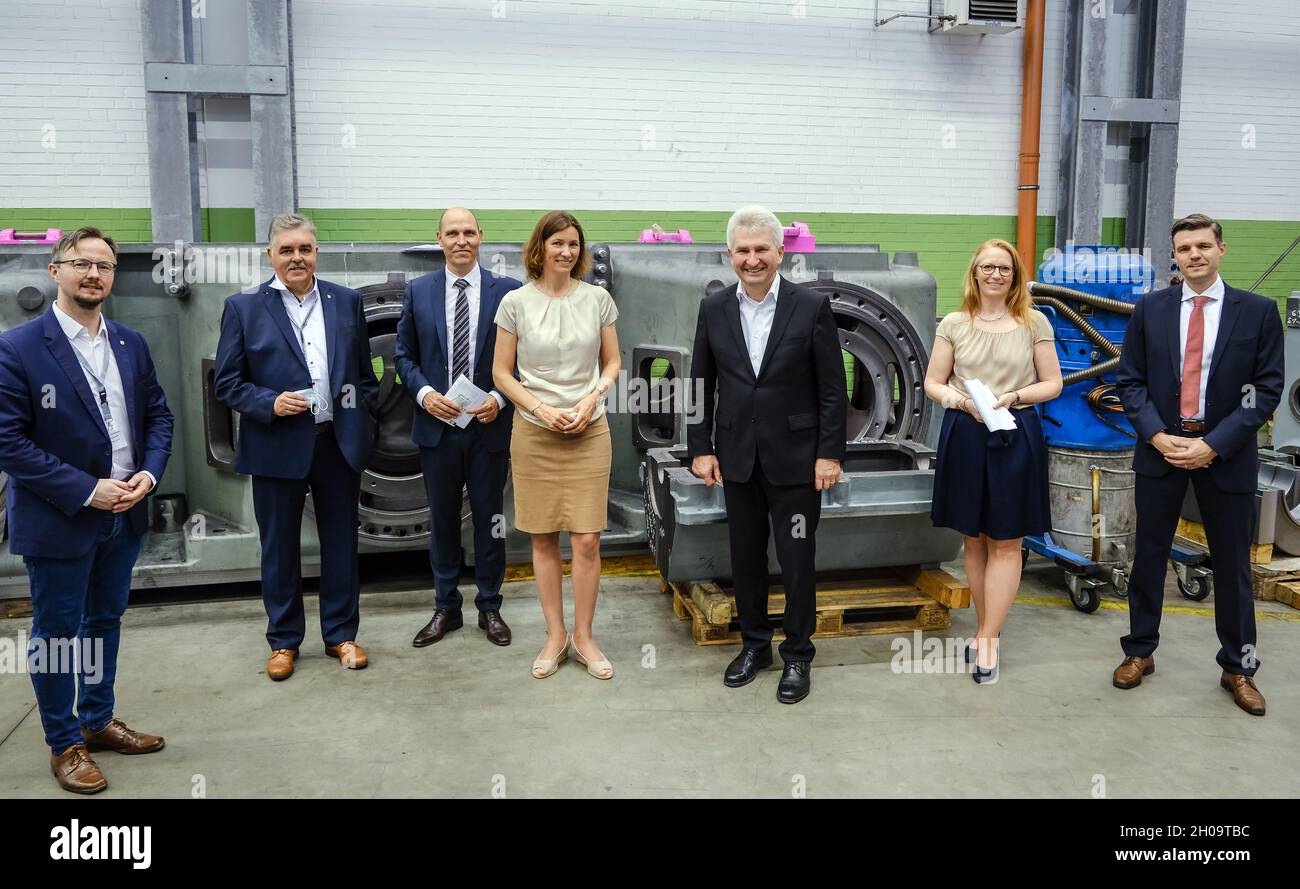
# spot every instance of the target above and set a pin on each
(1198, 589)
(1087, 599)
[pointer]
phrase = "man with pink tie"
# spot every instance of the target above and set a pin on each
(1201, 371)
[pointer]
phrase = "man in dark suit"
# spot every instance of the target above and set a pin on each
(84, 436)
(1201, 371)
(447, 330)
(771, 351)
(294, 361)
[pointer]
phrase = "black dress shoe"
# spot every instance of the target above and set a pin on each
(796, 682)
(444, 620)
(745, 666)
(497, 631)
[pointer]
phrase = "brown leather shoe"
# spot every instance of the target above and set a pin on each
(444, 620)
(1244, 692)
(1129, 673)
(116, 736)
(497, 631)
(280, 665)
(76, 771)
(350, 654)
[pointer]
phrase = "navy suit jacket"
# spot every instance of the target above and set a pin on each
(258, 357)
(791, 413)
(53, 441)
(1244, 386)
(423, 346)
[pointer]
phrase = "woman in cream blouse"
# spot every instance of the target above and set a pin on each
(992, 486)
(559, 332)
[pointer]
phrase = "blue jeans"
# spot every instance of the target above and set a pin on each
(79, 602)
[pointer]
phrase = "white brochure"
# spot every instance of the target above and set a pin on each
(467, 395)
(994, 418)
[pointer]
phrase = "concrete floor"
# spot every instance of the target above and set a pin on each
(463, 718)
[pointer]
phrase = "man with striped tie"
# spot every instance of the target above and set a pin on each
(1200, 373)
(446, 332)
(294, 360)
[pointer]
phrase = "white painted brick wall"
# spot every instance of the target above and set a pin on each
(74, 66)
(1241, 68)
(548, 106)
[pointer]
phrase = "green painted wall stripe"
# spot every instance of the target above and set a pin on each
(130, 226)
(944, 242)
(228, 224)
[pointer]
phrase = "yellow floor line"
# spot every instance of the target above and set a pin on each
(1194, 611)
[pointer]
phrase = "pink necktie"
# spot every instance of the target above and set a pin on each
(1189, 401)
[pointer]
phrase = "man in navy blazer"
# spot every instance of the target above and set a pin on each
(1201, 371)
(294, 361)
(84, 436)
(447, 329)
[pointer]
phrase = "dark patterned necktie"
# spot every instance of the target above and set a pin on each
(460, 340)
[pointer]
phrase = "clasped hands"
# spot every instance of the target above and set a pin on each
(569, 420)
(1185, 453)
(825, 472)
(115, 496)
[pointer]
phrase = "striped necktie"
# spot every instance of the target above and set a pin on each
(460, 339)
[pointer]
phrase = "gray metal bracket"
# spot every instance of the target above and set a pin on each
(216, 80)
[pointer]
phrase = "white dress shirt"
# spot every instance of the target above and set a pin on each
(1212, 310)
(307, 317)
(92, 349)
(756, 321)
(475, 279)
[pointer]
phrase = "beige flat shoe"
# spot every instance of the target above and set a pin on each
(543, 667)
(601, 669)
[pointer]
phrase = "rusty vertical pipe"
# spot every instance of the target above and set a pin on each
(1031, 109)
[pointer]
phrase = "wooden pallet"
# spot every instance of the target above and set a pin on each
(1266, 582)
(15, 608)
(1288, 593)
(1194, 533)
(637, 565)
(879, 603)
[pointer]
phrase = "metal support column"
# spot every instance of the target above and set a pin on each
(275, 170)
(1087, 112)
(170, 125)
(1162, 164)
(1083, 141)
(173, 81)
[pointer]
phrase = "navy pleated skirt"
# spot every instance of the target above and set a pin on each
(992, 483)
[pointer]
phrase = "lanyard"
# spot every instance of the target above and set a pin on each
(306, 319)
(100, 379)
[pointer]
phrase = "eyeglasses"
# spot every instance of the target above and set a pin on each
(81, 266)
(988, 270)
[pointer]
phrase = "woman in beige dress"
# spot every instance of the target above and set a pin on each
(991, 487)
(559, 332)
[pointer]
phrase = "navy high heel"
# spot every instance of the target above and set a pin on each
(979, 674)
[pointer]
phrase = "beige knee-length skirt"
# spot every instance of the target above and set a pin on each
(561, 481)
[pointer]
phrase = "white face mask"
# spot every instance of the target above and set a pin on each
(313, 400)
